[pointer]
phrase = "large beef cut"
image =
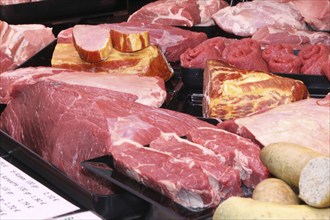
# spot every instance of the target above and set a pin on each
(231, 93)
(226, 179)
(172, 41)
(145, 90)
(18, 43)
(305, 122)
(294, 37)
(67, 124)
(245, 18)
(241, 154)
(168, 12)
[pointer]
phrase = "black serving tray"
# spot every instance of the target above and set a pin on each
(104, 167)
(122, 205)
(52, 10)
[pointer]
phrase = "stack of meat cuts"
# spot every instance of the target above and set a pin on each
(178, 12)
(66, 117)
(18, 43)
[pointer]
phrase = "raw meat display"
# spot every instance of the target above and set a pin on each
(168, 12)
(245, 54)
(245, 18)
(230, 93)
(208, 8)
(172, 41)
(92, 42)
(312, 58)
(129, 41)
(182, 180)
(242, 156)
(147, 62)
(305, 122)
(316, 13)
(281, 59)
(67, 124)
(285, 35)
(196, 57)
(18, 43)
(145, 90)
(226, 179)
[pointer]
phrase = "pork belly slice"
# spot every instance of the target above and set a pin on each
(235, 151)
(92, 42)
(145, 90)
(182, 180)
(305, 122)
(228, 179)
(129, 41)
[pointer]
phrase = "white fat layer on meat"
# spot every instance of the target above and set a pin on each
(190, 199)
(242, 164)
(168, 40)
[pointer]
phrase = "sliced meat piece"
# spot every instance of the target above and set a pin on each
(92, 42)
(196, 57)
(230, 93)
(305, 122)
(312, 57)
(245, 54)
(148, 62)
(181, 180)
(145, 90)
(228, 179)
(245, 18)
(285, 35)
(172, 41)
(168, 12)
(128, 42)
(240, 153)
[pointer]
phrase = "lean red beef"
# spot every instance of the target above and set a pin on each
(197, 56)
(245, 54)
(172, 41)
(242, 156)
(145, 90)
(281, 59)
(18, 43)
(285, 35)
(226, 180)
(312, 58)
(67, 124)
(245, 18)
(326, 68)
(168, 12)
(305, 122)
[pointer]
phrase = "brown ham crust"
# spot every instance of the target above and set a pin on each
(245, 54)
(231, 93)
(92, 42)
(130, 41)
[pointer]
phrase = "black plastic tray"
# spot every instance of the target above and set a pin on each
(51, 10)
(104, 167)
(318, 86)
(116, 206)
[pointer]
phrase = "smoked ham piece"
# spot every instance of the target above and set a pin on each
(128, 42)
(231, 93)
(92, 42)
(148, 62)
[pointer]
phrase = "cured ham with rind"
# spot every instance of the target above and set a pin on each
(230, 93)
(129, 42)
(92, 42)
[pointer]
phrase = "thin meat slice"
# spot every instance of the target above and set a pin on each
(240, 153)
(312, 57)
(245, 54)
(92, 42)
(129, 41)
(228, 179)
(181, 180)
